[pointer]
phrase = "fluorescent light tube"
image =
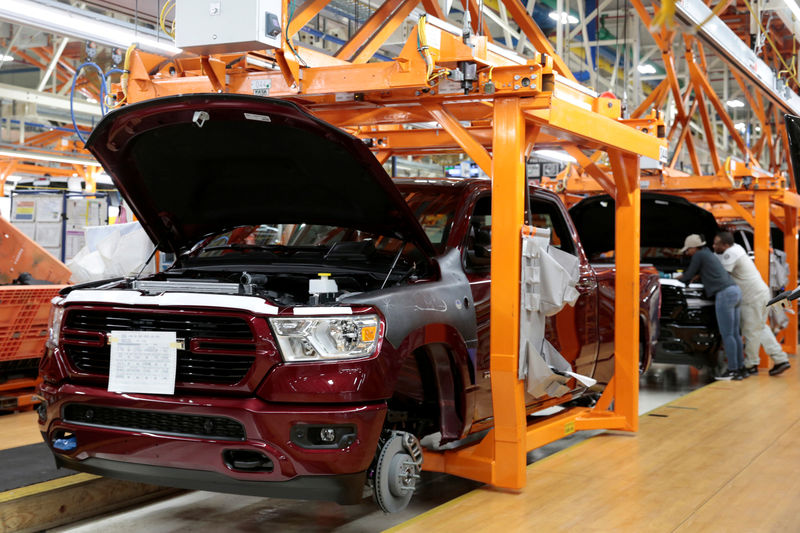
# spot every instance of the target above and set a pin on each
(564, 18)
(41, 156)
(70, 24)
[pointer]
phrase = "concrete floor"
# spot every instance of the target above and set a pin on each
(213, 512)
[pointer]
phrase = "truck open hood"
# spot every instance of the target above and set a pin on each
(190, 166)
(666, 221)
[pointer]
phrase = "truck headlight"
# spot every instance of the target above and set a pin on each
(54, 323)
(319, 339)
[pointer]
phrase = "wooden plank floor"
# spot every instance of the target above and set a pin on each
(19, 429)
(722, 458)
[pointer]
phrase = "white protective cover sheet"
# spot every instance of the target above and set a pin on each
(112, 251)
(548, 279)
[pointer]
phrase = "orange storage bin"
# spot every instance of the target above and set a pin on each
(24, 310)
(19, 253)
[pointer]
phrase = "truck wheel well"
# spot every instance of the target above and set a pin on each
(426, 401)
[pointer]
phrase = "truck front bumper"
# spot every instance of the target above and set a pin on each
(267, 450)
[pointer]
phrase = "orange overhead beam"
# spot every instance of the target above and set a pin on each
(654, 99)
(738, 208)
(535, 35)
(685, 136)
(701, 104)
(472, 147)
(684, 118)
(590, 166)
(386, 30)
(307, 11)
(5, 171)
(432, 7)
(367, 31)
(705, 85)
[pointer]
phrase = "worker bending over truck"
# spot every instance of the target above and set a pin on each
(755, 295)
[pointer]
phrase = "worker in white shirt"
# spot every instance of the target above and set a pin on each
(755, 295)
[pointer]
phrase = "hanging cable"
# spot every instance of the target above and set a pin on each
(107, 75)
(103, 109)
(422, 46)
(424, 51)
(126, 73)
(292, 4)
(162, 18)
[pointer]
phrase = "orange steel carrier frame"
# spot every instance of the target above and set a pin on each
(738, 189)
(515, 104)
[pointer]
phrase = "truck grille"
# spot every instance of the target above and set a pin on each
(156, 422)
(218, 349)
(184, 326)
(673, 301)
(192, 368)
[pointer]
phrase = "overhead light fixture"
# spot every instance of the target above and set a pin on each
(740, 126)
(563, 17)
(29, 13)
(646, 68)
(53, 158)
(5, 58)
(103, 178)
(734, 103)
(555, 155)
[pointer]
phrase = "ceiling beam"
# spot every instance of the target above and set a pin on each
(45, 99)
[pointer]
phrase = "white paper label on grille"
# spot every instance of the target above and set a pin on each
(143, 361)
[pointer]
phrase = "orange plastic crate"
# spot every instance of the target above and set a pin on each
(24, 311)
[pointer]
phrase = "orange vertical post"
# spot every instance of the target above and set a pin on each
(626, 304)
(790, 247)
(508, 204)
(761, 233)
(761, 245)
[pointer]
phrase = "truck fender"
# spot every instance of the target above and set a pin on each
(449, 360)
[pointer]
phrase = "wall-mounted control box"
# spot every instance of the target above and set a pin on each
(223, 26)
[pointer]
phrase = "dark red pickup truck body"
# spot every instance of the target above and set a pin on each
(244, 419)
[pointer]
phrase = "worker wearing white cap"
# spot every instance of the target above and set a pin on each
(718, 284)
(755, 295)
